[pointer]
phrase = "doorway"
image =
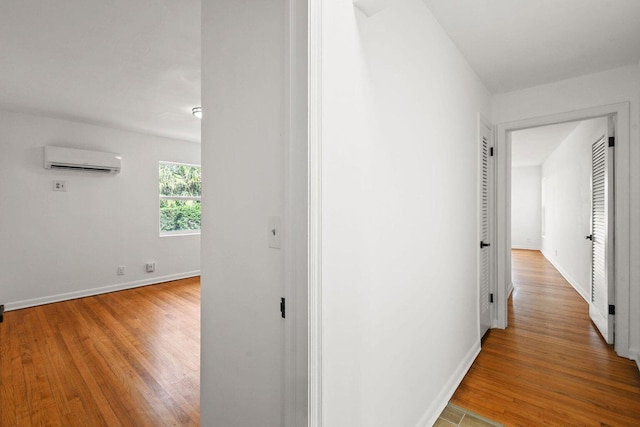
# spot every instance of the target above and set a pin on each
(622, 215)
(559, 196)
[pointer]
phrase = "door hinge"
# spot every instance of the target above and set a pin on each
(612, 141)
(491, 151)
(490, 297)
(612, 310)
(283, 308)
(1, 313)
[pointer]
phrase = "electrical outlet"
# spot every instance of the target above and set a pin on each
(59, 185)
(150, 267)
(121, 270)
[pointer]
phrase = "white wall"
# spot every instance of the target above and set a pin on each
(399, 215)
(635, 209)
(526, 186)
(243, 160)
(566, 174)
(605, 88)
(60, 245)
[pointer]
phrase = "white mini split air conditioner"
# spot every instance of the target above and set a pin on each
(82, 160)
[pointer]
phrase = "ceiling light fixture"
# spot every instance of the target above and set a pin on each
(197, 111)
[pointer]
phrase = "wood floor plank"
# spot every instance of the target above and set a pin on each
(128, 358)
(550, 366)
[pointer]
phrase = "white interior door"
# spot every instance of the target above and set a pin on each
(601, 305)
(484, 269)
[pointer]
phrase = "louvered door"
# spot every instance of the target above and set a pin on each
(601, 306)
(484, 270)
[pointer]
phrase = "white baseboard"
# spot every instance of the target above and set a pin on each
(437, 406)
(568, 278)
(97, 291)
(634, 354)
(526, 247)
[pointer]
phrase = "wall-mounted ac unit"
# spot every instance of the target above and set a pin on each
(82, 160)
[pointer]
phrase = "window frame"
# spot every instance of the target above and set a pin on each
(161, 197)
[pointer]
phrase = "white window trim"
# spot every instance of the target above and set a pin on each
(198, 198)
(177, 233)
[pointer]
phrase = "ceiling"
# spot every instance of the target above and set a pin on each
(135, 64)
(531, 147)
(132, 64)
(514, 44)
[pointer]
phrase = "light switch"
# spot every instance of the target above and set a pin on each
(274, 232)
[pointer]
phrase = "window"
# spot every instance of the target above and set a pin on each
(180, 190)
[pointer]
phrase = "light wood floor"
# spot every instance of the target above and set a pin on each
(550, 366)
(129, 358)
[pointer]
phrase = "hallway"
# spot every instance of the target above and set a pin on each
(550, 366)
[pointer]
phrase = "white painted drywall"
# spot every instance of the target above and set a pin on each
(371, 7)
(243, 151)
(605, 88)
(399, 215)
(566, 174)
(634, 347)
(60, 245)
(526, 229)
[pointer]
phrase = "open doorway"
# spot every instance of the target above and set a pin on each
(559, 192)
(504, 135)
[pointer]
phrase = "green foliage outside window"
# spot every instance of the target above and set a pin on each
(180, 190)
(176, 215)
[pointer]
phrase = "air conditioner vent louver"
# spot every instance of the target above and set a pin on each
(81, 160)
(81, 168)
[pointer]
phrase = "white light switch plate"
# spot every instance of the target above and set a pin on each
(274, 232)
